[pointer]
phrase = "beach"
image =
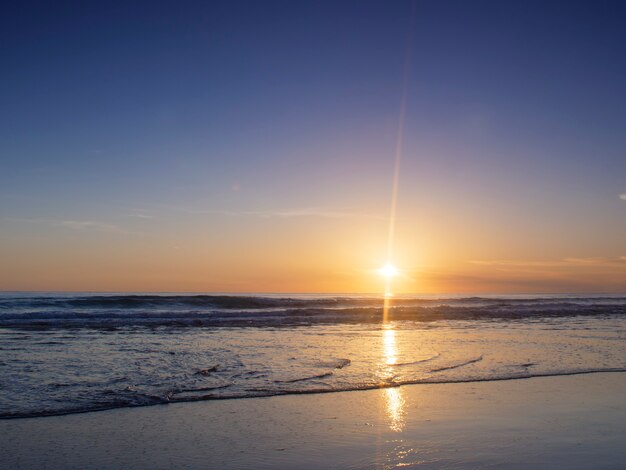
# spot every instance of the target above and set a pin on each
(543, 422)
(313, 235)
(75, 353)
(211, 381)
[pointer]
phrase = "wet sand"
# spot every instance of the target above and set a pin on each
(548, 422)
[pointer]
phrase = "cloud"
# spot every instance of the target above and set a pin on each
(140, 216)
(565, 262)
(89, 225)
(532, 282)
(76, 225)
(622, 196)
(594, 260)
(275, 213)
(306, 212)
(71, 224)
(28, 220)
(519, 263)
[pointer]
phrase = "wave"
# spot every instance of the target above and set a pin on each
(274, 301)
(115, 311)
(302, 379)
(457, 365)
(73, 353)
(194, 395)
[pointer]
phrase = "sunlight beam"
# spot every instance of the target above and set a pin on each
(388, 270)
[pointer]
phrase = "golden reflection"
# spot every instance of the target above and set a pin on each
(394, 399)
(389, 346)
(386, 306)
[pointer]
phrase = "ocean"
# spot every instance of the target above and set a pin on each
(71, 353)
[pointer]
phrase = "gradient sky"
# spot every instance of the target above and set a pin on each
(249, 146)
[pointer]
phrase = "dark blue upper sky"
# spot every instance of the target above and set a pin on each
(516, 111)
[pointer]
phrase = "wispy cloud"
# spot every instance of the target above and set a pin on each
(524, 282)
(275, 213)
(140, 216)
(305, 212)
(27, 220)
(622, 196)
(588, 261)
(89, 225)
(594, 260)
(93, 225)
(519, 263)
(561, 278)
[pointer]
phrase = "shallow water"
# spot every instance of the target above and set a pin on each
(68, 353)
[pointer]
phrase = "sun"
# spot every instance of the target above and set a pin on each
(388, 270)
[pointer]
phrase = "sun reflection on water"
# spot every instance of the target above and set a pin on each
(394, 399)
(389, 346)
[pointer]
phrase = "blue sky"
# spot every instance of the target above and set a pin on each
(143, 117)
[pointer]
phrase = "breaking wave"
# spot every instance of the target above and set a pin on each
(114, 311)
(63, 354)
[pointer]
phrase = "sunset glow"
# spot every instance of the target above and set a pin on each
(281, 175)
(313, 234)
(388, 270)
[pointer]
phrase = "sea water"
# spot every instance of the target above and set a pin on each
(68, 353)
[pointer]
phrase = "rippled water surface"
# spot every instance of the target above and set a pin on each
(68, 353)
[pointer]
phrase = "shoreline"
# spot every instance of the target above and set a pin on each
(315, 392)
(573, 421)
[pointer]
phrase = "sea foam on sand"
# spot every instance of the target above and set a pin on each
(545, 422)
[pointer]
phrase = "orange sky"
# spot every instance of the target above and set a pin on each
(295, 253)
(221, 148)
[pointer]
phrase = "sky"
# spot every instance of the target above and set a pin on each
(245, 146)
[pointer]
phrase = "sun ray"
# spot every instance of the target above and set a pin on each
(389, 270)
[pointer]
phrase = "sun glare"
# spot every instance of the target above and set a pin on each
(388, 270)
